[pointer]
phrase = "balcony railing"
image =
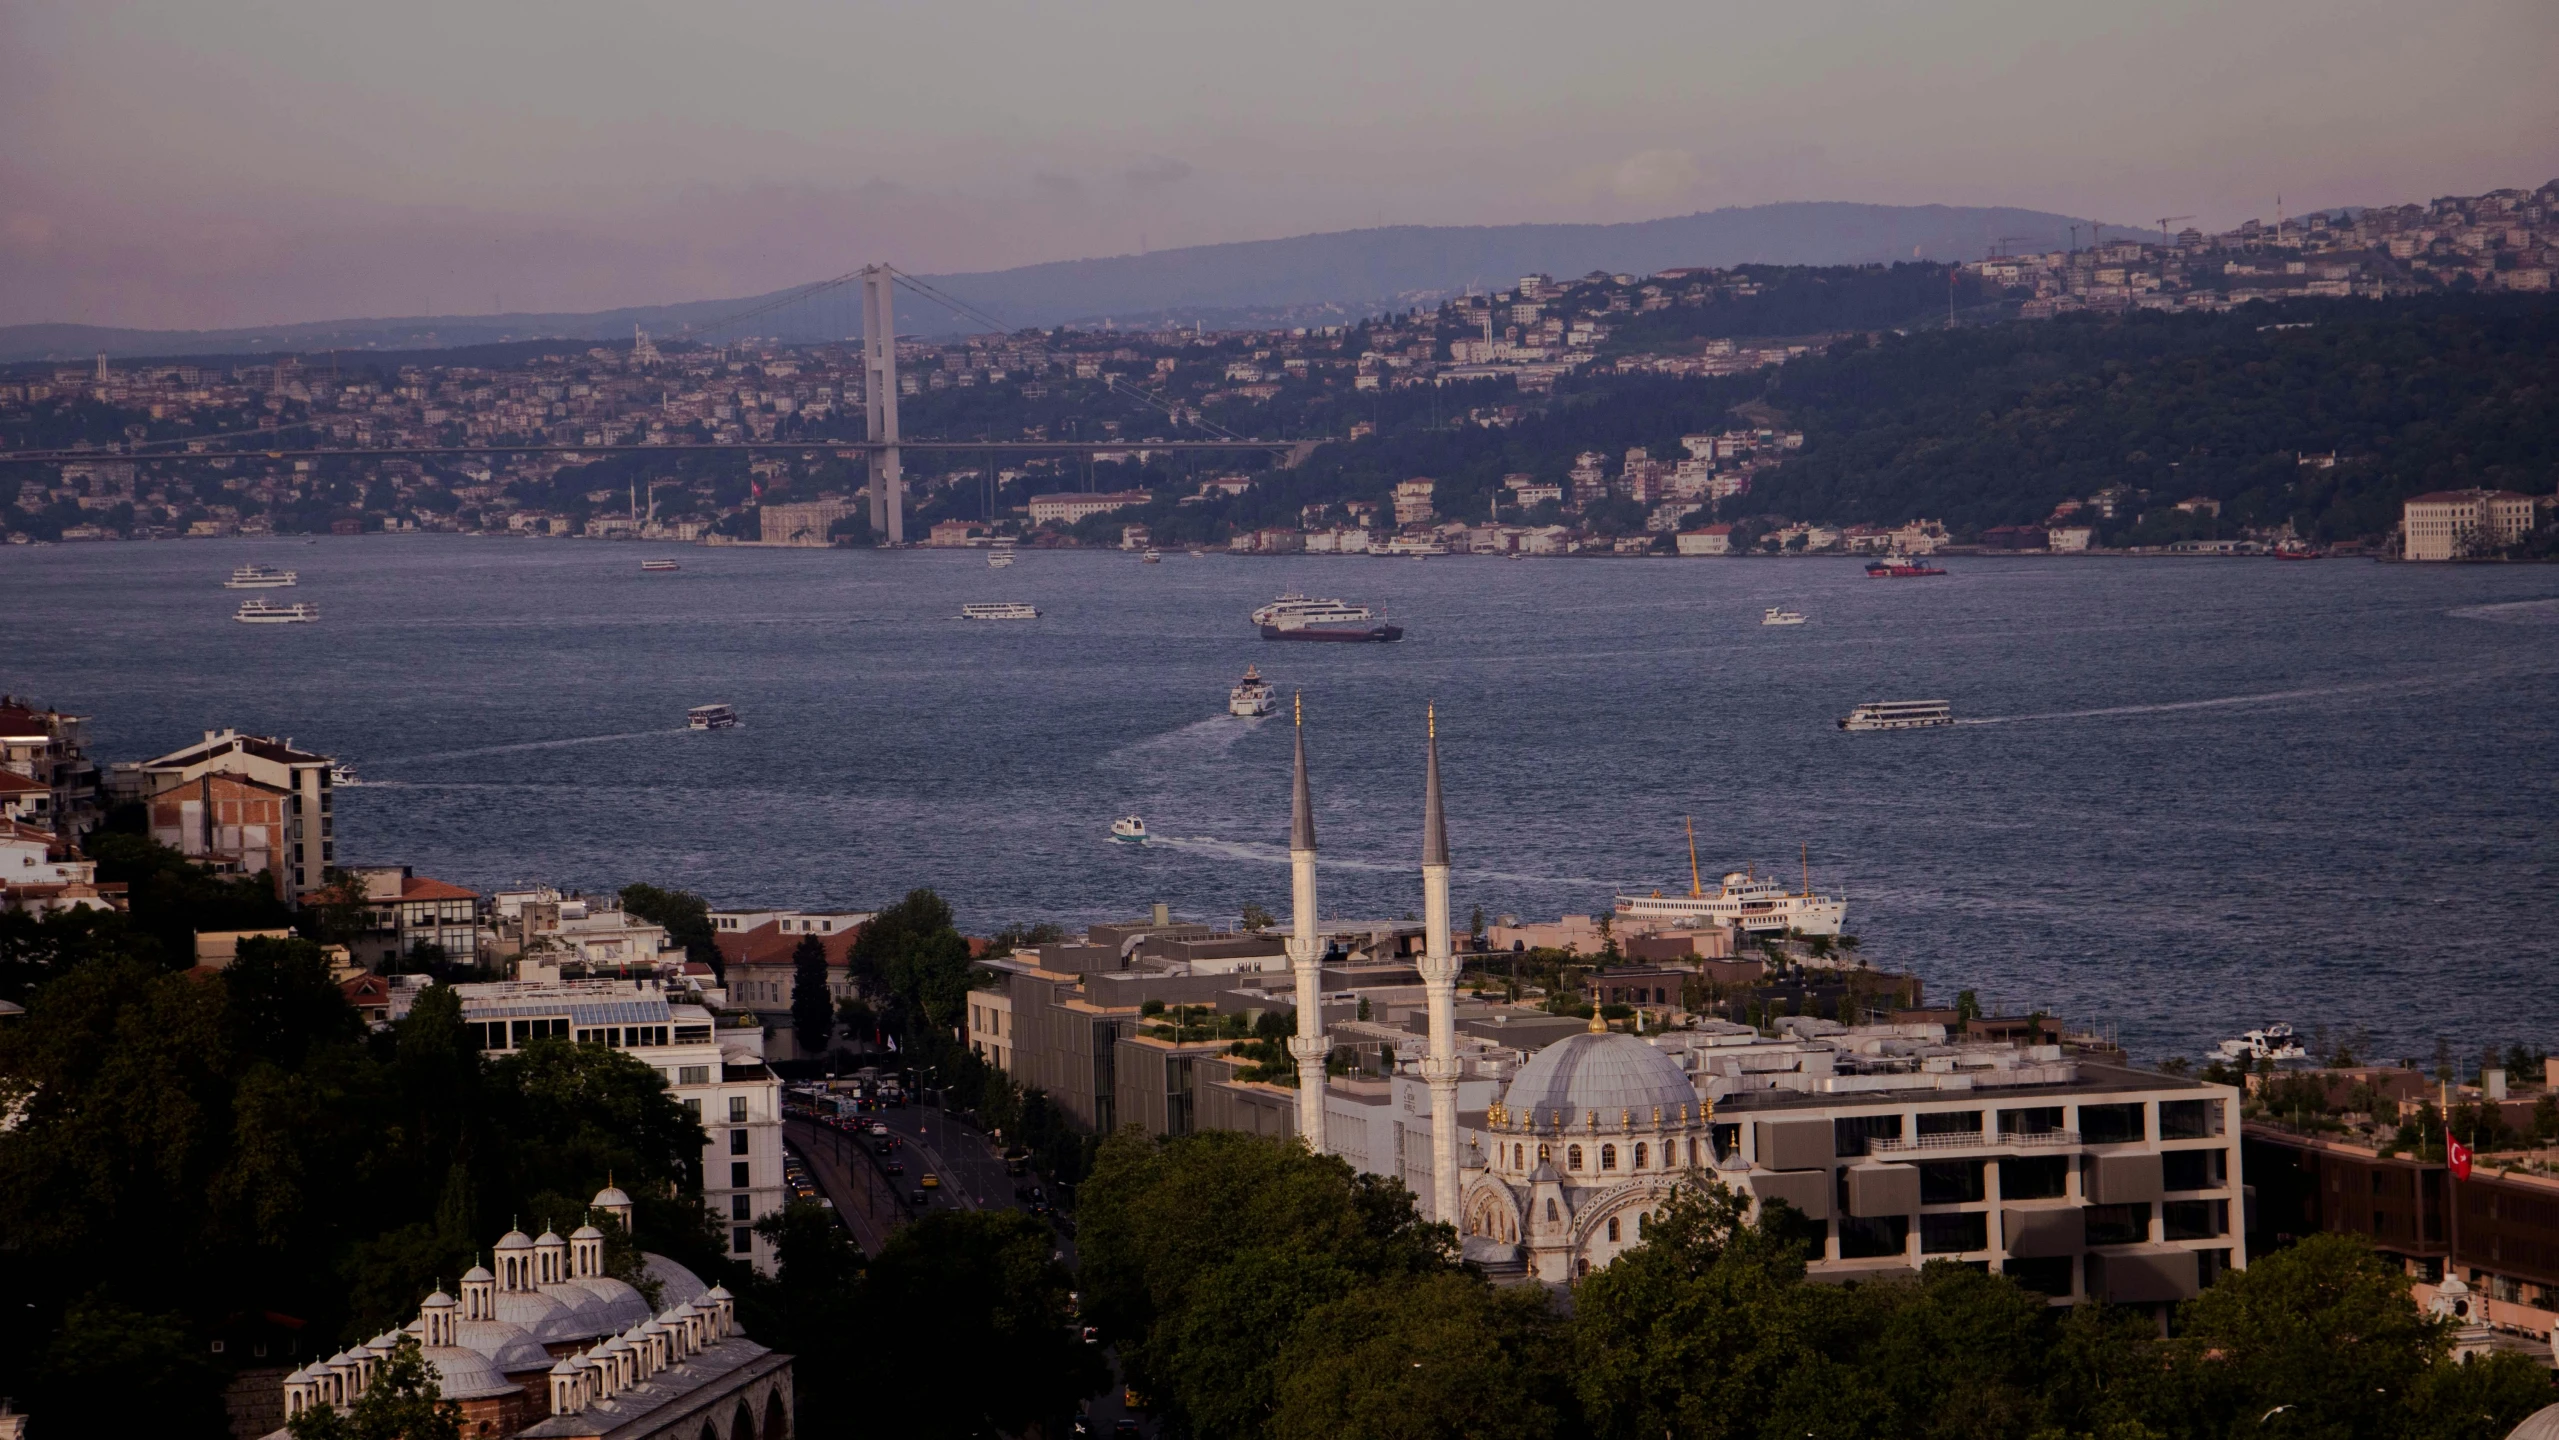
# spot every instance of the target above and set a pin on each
(1976, 1140)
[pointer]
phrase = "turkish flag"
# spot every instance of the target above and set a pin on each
(2458, 1155)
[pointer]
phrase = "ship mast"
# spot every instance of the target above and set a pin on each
(1696, 888)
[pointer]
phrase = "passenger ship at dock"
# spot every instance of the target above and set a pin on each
(1759, 905)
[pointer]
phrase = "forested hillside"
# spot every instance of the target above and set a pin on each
(1996, 425)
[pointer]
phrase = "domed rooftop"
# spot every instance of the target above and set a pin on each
(467, 1374)
(514, 1240)
(675, 1283)
(2541, 1424)
(610, 1304)
(542, 1316)
(507, 1346)
(610, 1197)
(1599, 1072)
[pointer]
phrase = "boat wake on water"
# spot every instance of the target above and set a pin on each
(2512, 612)
(2270, 697)
(1278, 855)
(1213, 735)
(529, 745)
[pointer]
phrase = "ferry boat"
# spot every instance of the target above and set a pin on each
(1153, 557)
(1300, 617)
(1007, 611)
(262, 612)
(1899, 715)
(658, 566)
(1900, 567)
(1758, 904)
(1128, 829)
(1407, 547)
(2274, 1042)
(1000, 558)
(712, 717)
(1252, 695)
(1780, 615)
(261, 577)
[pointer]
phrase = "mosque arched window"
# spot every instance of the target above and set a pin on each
(1612, 1227)
(1639, 1224)
(1607, 1157)
(1551, 1216)
(1573, 1158)
(1639, 1154)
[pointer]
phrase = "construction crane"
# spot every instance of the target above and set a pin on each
(1999, 245)
(2164, 222)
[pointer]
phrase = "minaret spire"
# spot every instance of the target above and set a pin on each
(1439, 967)
(1305, 951)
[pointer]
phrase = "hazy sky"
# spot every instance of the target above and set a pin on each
(231, 162)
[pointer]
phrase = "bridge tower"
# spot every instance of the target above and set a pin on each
(879, 403)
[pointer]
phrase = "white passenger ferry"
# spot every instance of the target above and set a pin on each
(1006, 611)
(712, 717)
(261, 577)
(1001, 557)
(1252, 695)
(1899, 715)
(659, 567)
(1780, 615)
(1759, 904)
(262, 612)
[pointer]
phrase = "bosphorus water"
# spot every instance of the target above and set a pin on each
(2187, 796)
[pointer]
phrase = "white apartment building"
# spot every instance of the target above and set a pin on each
(1068, 507)
(717, 1074)
(2457, 524)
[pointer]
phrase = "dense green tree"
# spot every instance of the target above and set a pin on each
(981, 1340)
(916, 962)
(170, 897)
(1202, 1255)
(686, 916)
(812, 1008)
(1441, 1356)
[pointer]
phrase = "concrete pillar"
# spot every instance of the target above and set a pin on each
(879, 403)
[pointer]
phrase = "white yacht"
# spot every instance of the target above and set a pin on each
(1252, 695)
(1780, 615)
(1008, 610)
(1129, 829)
(1899, 715)
(1759, 904)
(342, 774)
(261, 577)
(2275, 1042)
(262, 612)
(712, 717)
(1000, 558)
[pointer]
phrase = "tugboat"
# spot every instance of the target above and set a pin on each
(1128, 829)
(1900, 567)
(1252, 695)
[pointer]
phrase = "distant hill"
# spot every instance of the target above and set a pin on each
(1307, 279)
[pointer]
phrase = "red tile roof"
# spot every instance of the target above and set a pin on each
(418, 887)
(767, 945)
(13, 783)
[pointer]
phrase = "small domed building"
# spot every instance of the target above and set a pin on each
(549, 1345)
(1588, 1140)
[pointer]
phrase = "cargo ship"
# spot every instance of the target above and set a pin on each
(1301, 617)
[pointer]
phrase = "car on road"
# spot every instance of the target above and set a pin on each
(931, 1181)
(1126, 1426)
(918, 1197)
(879, 1129)
(895, 1167)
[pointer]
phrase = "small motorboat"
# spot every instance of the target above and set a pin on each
(1128, 829)
(1780, 615)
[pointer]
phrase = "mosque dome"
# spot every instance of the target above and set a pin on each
(586, 1232)
(676, 1284)
(542, 1316)
(611, 1305)
(610, 1198)
(507, 1346)
(467, 1374)
(514, 1240)
(1602, 1073)
(2541, 1424)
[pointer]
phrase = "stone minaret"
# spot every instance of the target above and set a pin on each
(1306, 954)
(1439, 982)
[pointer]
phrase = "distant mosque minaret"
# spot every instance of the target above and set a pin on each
(1306, 951)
